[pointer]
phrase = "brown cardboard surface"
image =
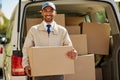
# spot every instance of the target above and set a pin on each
(84, 68)
(74, 21)
(97, 37)
(73, 29)
(98, 72)
(32, 21)
(79, 43)
(60, 19)
(50, 61)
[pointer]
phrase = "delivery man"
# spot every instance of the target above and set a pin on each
(47, 33)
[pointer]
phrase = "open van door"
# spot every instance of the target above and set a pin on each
(16, 59)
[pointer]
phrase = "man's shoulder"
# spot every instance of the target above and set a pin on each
(61, 27)
(35, 26)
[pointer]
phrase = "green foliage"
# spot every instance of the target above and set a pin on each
(118, 5)
(9, 32)
(101, 17)
(3, 27)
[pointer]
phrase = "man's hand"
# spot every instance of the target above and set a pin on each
(72, 54)
(28, 71)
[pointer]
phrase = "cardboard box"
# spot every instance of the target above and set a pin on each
(73, 29)
(50, 61)
(80, 43)
(84, 68)
(97, 37)
(60, 19)
(32, 21)
(98, 72)
(74, 21)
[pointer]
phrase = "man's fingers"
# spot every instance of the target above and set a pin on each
(28, 71)
(71, 54)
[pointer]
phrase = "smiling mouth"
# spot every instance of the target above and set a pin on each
(48, 16)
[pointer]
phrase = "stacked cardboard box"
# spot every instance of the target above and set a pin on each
(32, 21)
(97, 37)
(79, 43)
(60, 19)
(84, 68)
(73, 29)
(74, 21)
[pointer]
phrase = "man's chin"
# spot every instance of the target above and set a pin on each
(48, 21)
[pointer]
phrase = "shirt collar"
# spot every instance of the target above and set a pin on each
(54, 27)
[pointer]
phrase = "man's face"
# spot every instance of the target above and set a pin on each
(48, 14)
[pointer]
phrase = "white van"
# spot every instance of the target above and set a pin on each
(74, 15)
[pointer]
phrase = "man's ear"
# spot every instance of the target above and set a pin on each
(55, 12)
(41, 12)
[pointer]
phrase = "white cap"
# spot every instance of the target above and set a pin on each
(48, 4)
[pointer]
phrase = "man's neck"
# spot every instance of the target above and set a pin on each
(49, 22)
